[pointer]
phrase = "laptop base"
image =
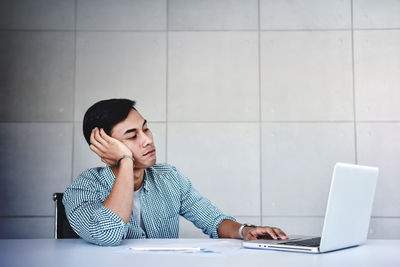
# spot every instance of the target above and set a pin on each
(271, 244)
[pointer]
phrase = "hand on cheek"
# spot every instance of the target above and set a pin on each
(107, 148)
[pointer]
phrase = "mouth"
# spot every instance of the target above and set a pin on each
(149, 153)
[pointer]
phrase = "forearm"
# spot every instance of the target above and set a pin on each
(120, 199)
(104, 227)
(229, 229)
(90, 219)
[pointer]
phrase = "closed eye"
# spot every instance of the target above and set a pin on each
(134, 137)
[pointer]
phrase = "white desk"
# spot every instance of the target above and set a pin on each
(76, 252)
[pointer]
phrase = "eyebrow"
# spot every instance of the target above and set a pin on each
(134, 129)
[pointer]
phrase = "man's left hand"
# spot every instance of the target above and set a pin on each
(253, 233)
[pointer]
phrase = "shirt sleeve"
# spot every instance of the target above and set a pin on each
(199, 210)
(88, 217)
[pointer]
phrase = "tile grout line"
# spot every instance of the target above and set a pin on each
(166, 83)
(203, 30)
(354, 87)
(74, 95)
(259, 113)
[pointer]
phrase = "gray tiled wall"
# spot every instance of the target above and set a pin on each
(254, 100)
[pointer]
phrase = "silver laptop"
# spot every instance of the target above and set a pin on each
(347, 214)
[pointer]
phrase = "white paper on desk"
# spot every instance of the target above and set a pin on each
(208, 249)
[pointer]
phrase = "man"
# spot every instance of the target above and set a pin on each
(132, 197)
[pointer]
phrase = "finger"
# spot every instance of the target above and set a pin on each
(96, 150)
(271, 232)
(280, 233)
(253, 235)
(105, 136)
(94, 142)
(260, 232)
(98, 137)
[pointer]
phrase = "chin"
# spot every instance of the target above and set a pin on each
(147, 164)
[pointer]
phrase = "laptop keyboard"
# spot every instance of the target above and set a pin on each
(312, 242)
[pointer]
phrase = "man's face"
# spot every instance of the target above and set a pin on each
(133, 132)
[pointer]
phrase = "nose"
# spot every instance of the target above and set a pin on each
(147, 140)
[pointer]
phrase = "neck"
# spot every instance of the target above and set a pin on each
(138, 177)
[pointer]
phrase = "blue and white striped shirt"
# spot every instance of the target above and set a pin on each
(165, 195)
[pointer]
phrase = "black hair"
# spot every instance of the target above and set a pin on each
(106, 114)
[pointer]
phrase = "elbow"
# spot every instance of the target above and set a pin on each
(105, 237)
(111, 237)
(101, 227)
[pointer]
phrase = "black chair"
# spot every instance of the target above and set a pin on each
(62, 228)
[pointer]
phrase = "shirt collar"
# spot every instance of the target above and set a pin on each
(145, 179)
